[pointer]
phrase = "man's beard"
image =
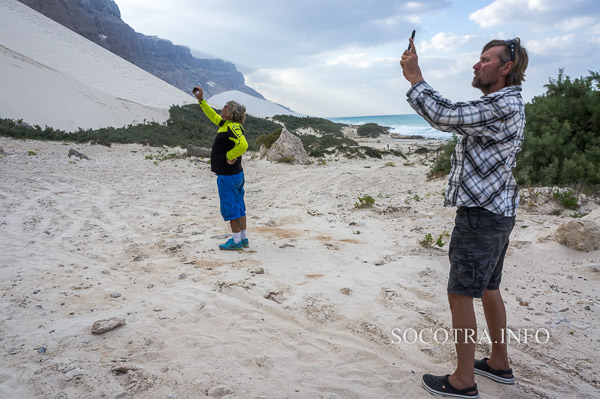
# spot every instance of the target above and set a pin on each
(478, 84)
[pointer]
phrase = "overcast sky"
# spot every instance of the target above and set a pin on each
(341, 57)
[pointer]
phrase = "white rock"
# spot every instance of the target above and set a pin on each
(286, 146)
(580, 234)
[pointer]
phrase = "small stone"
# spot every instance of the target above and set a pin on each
(276, 296)
(41, 350)
(102, 326)
(105, 271)
(259, 270)
(588, 307)
(150, 286)
(346, 291)
(115, 295)
(219, 391)
(14, 351)
(524, 303)
(564, 310)
(74, 373)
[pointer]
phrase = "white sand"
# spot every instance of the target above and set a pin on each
(198, 320)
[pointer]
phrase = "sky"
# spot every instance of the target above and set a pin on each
(337, 58)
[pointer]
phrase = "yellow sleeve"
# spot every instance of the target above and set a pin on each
(210, 113)
(241, 145)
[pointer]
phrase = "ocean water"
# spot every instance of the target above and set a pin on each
(407, 125)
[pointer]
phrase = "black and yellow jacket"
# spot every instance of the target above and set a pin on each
(229, 142)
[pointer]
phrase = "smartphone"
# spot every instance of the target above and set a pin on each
(412, 36)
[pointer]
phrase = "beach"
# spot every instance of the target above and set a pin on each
(308, 311)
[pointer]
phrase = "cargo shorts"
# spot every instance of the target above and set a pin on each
(477, 249)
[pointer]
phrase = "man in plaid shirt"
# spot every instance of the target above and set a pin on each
(483, 188)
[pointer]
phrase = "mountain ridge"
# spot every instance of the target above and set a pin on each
(100, 22)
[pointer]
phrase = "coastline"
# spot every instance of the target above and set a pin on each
(307, 312)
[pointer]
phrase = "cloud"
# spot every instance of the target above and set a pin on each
(538, 14)
(280, 32)
(446, 42)
(568, 47)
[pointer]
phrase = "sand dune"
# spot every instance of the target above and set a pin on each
(120, 236)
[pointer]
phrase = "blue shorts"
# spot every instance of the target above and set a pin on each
(231, 195)
(477, 250)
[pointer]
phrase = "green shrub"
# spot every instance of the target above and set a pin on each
(323, 126)
(427, 241)
(286, 159)
(562, 134)
(371, 130)
(441, 165)
(568, 198)
(267, 140)
(365, 201)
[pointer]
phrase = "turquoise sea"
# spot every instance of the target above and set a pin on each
(408, 125)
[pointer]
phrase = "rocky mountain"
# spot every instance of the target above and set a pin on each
(100, 22)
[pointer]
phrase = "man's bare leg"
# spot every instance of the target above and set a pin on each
(495, 316)
(465, 328)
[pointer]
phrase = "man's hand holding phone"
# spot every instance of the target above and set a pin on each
(410, 63)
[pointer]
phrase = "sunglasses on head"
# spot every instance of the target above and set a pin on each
(512, 44)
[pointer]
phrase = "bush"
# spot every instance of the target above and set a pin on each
(323, 126)
(441, 165)
(365, 201)
(562, 134)
(568, 198)
(267, 140)
(371, 130)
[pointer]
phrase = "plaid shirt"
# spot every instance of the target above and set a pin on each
(491, 132)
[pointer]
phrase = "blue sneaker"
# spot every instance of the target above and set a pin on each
(245, 243)
(231, 246)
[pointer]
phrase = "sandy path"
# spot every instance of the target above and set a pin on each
(119, 236)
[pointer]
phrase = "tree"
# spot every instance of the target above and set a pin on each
(562, 134)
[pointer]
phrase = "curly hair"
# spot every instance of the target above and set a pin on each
(521, 59)
(237, 112)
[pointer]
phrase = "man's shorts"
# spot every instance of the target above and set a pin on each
(231, 195)
(477, 249)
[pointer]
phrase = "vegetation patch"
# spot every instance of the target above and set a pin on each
(267, 140)
(562, 134)
(566, 198)
(428, 241)
(365, 201)
(371, 130)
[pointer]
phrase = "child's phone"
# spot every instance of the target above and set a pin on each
(412, 36)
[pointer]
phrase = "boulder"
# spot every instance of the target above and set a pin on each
(580, 234)
(199, 152)
(288, 148)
